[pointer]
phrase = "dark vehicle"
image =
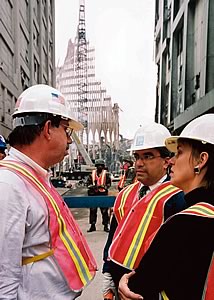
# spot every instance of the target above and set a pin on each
(58, 182)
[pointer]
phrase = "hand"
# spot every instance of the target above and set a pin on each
(124, 291)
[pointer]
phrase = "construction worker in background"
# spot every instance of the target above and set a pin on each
(128, 174)
(98, 184)
(43, 253)
(180, 260)
(152, 197)
(3, 147)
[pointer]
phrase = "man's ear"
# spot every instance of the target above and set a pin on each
(166, 162)
(47, 130)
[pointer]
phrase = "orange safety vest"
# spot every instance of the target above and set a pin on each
(135, 233)
(67, 242)
(101, 180)
(204, 210)
(125, 199)
(122, 181)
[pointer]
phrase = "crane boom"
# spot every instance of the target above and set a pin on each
(82, 149)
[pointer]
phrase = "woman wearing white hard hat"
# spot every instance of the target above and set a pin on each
(187, 236)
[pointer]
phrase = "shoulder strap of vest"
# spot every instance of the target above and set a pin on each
(103, 177)
(119, 207)
(201, 209)
(122, 181)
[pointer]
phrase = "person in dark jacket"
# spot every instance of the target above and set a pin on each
(179, 263)
(98, 184)
(151, 165)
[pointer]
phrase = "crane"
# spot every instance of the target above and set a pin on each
(81, 68)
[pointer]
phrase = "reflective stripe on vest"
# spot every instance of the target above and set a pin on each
(163, 294)
(202, 209)
(101, 180)
(125, 199)
(135, 233)
(122, 181)
(70, 247)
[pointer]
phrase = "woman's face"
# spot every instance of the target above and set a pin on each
(182, 168)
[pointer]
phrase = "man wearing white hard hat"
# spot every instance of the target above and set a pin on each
(180, 261)
(136, 207)
(43, 253)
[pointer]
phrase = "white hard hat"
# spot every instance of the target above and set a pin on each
(200, 129)
(151, 135)
(45, 99)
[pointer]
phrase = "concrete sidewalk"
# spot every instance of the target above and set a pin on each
(96, 241)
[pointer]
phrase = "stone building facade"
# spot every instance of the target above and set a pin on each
(27, 54)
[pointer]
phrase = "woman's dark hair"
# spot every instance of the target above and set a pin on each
(197, 148)
(25, 135)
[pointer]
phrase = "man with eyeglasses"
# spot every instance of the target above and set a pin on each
(141, 207)
(43, 253)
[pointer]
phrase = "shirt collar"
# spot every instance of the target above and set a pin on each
(19, 156)
(159, 182)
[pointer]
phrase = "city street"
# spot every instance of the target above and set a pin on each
(96, 241)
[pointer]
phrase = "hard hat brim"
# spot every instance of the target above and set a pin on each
(172, 142)
(75, 125)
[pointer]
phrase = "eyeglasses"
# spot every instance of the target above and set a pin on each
(145, 157)
(68, 130)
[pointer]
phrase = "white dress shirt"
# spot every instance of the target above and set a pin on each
(24, 232)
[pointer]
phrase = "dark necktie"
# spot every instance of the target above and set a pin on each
(142, 191)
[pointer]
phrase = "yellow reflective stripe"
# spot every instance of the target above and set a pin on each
(103, 177)
(122, 180)
(163, 294)
(123, 199)
(28, 260)
(139, 236)
(80, 263)
(200, 209)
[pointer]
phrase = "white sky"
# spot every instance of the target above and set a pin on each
(122, 32)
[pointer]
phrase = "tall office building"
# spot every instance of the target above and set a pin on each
(97, 111)
(27, 55)
(184, 51)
